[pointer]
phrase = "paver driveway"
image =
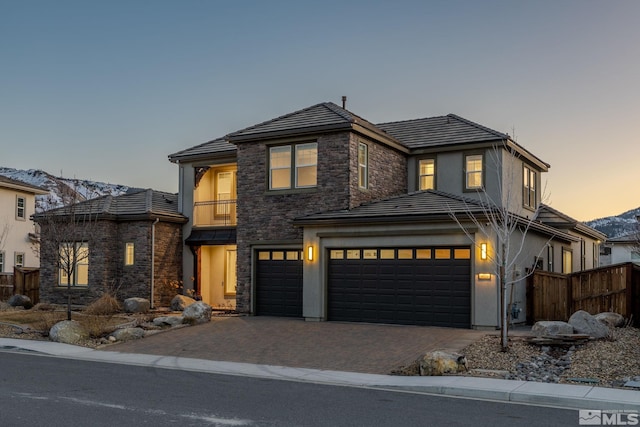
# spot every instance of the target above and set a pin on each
(353, 347)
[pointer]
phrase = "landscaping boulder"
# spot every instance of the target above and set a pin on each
(127, 334)
(585, 323)
(550, 328)
(168, 320)
(198, 312)
(611, 319)
(441, 362)
(136, 305)
(180, 302)
(20, 301)
(68, 332)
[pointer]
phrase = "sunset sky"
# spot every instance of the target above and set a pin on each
(105, 90)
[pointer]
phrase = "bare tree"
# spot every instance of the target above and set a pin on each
(503, 221)
(65, 234)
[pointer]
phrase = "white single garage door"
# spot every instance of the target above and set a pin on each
(412, 286)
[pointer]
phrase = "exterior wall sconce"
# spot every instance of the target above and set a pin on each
(310, 253)
(483, 251)
(484, 276)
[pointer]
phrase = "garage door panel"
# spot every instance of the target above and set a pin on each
(278, 287)
(405, 291)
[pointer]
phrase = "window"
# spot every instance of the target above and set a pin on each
(596, 254)
(73, 264)
(567, 261)
(363, 165)
(550, 258)
(21, 212)
(583, 254)
(18, 259)
(230, 279)
(1, 262)
(224, 182)
(427, 174)
(304, 163)
(129, 253)
(529, 188)
(473, 172)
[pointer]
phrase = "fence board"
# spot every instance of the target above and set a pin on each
(27, 282)
(6, 286)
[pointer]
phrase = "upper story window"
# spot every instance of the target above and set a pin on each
(529, 188)
(363, 165)
(427, 174)
(303, 163)
(473, 172)
(21, 211)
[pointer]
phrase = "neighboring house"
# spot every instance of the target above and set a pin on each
(323, 215)
(134, 246)
(17, 204)
(620, 249)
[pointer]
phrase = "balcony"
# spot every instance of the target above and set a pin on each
(214, 213)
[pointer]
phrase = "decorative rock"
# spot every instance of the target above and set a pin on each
(127, 334)
(440, 363)
(136, 305)
(20, 301)
(180, 302)
(611, 319)
(68, 332)
(551, 328)
(584, 323)
(198, 312)
(168, 320)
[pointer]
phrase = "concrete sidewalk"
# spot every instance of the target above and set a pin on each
(557, 395)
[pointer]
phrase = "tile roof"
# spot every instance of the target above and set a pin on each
(554, 218)
(418, 204)
(217, 146)
(143, 204)
(320, 117)
(438, 131)
(20, 185)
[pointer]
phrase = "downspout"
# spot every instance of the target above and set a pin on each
(153, 258)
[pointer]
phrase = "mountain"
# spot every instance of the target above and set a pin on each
(616, 226)
(62, 188)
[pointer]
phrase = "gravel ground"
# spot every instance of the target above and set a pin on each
(606, 363)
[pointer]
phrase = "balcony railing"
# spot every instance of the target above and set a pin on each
(214, 213)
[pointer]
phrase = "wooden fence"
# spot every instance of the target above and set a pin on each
(27, 282)
(6, 286)
(614, 288)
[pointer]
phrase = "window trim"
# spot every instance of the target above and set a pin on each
(466, 173)
(293, 167)
(531, 177)
(420, 175)
(2, 261)
(20, 217)
(363, 168)
(17, 263)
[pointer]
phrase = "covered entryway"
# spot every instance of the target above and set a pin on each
(412, 286)
(279, 283)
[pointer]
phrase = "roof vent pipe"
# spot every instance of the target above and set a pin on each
(344, 102)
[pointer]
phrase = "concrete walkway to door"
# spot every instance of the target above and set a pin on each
(353, 347)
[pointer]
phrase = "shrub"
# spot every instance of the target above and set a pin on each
(107, 304)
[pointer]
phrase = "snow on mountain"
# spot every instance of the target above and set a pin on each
(619, 225)
(62, 189)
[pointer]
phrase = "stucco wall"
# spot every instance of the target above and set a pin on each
(17, 238)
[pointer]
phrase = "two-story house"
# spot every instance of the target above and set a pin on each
(323, 215)
(17, 204)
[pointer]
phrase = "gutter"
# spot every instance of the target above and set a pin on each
(153, 257)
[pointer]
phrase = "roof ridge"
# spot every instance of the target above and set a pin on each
(148, 200)
(409, 120)
(346, 114)
(479, 126)
(220, 139)
(284, 116)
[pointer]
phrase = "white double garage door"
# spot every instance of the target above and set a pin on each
(414, 286)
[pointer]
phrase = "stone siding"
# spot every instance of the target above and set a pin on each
(265, 216)
(107, 272)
